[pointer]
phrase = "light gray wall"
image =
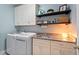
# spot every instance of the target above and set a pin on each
(6, 22)
(53, 27)
(45, 7)
(77, 11)
(73, 18)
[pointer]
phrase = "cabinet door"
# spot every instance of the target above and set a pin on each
(62, 48)
(25, 14)
(20, 47)
(55, 48)
(67, 51)
(36, 50)
(41, 50)
(68, 48)
(31, 14)
(19, 15)
(41, 47)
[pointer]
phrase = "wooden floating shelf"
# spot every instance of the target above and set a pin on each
(55, 13)
(55, 23)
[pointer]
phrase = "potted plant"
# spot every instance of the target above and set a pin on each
(50, 10)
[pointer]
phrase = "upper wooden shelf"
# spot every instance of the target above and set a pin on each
(55, 13)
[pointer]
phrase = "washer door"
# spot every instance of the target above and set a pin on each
(10, 45)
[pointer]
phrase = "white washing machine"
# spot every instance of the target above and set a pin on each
(19, 44)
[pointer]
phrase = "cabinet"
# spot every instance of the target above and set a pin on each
(41, 47)
(55, 48)
(25, 15)
(62, 48)
(67, 48)
(48, 47)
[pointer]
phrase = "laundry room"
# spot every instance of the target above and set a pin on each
(38, 29)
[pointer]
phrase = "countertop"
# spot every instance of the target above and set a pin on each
(53, 37)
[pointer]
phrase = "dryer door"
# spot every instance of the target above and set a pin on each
(20, 47)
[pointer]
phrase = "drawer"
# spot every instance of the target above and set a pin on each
(67, 45)
(62, 44)
(55, 43)
(41, 42)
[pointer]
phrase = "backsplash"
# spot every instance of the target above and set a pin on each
(59, 28)
(34, 28)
